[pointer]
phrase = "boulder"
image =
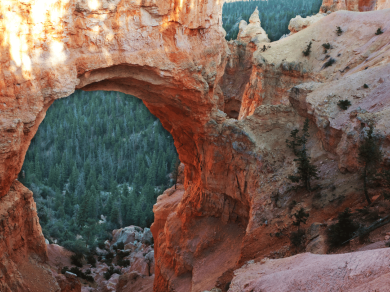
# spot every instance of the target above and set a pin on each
(147, 237)
(68, 282)
(317, 245)
(141, 266)
(298, 23)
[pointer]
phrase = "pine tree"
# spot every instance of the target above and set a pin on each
(370, 155)
(300, 217)
(114, 216)
(306, 170)
(175, 171)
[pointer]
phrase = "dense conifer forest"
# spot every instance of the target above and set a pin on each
(275, 15)
(97, 153)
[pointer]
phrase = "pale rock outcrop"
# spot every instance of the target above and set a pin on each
(358, 271)
(354, 5)
(298, 23)
(252, 32)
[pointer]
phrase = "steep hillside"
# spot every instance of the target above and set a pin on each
(275, 15)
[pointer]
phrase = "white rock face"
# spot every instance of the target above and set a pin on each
(252, 32)
(298, 23)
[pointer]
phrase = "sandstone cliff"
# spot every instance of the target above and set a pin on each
(172, 55)
(22, 246)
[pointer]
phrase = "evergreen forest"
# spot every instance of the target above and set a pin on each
(97, 153)
(275, 15)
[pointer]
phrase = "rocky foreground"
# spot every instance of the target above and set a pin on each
(135, 243)
(230, 106)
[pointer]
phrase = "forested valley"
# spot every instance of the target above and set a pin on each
(275, 15)
(97, 153)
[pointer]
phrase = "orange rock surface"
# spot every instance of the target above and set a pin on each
(22, 245)
(172, 54)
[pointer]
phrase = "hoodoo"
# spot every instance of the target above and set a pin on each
(235, 206)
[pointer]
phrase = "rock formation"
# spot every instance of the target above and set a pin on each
(172, 55)
(316, 273)
(354, 5)
(252, 32)
(298, 23)
(22, 245)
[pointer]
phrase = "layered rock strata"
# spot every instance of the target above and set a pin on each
(22, 245)
(172, 55)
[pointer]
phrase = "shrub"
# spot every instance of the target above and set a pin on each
(306, 171)
(296, 238)
(300, 217)
(339, 31)
(365, 85)
(79, 273)
(329, 63)
(344, 104)
(110, 272)
(64, 270)
(91, 260)
(379, 31)
(342, 230)
(101, 245)
(326, 47)
(108, 258)
(308, 50)
(76, 259)
(123, 263)
(119, 245)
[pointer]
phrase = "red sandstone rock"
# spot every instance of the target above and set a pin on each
(172, 55)
(68, 283)
(22, 245)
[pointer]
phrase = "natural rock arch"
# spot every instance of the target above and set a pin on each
(171, 54)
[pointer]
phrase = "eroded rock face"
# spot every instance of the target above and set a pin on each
(22, 245)
(298, 23)
(354, 5)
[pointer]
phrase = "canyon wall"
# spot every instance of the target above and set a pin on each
(22, 245)
(354, 5)
(172, 54)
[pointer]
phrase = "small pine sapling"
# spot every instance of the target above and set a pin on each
(379, 31)
(343, 230)
(329, 63)
(175, 171)
(306, 170)
(386, 179)
(308, 50)
(344, 104)
(365, 85)
(326, 47)
(339, 31)
(370, 155)
(300, 217)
